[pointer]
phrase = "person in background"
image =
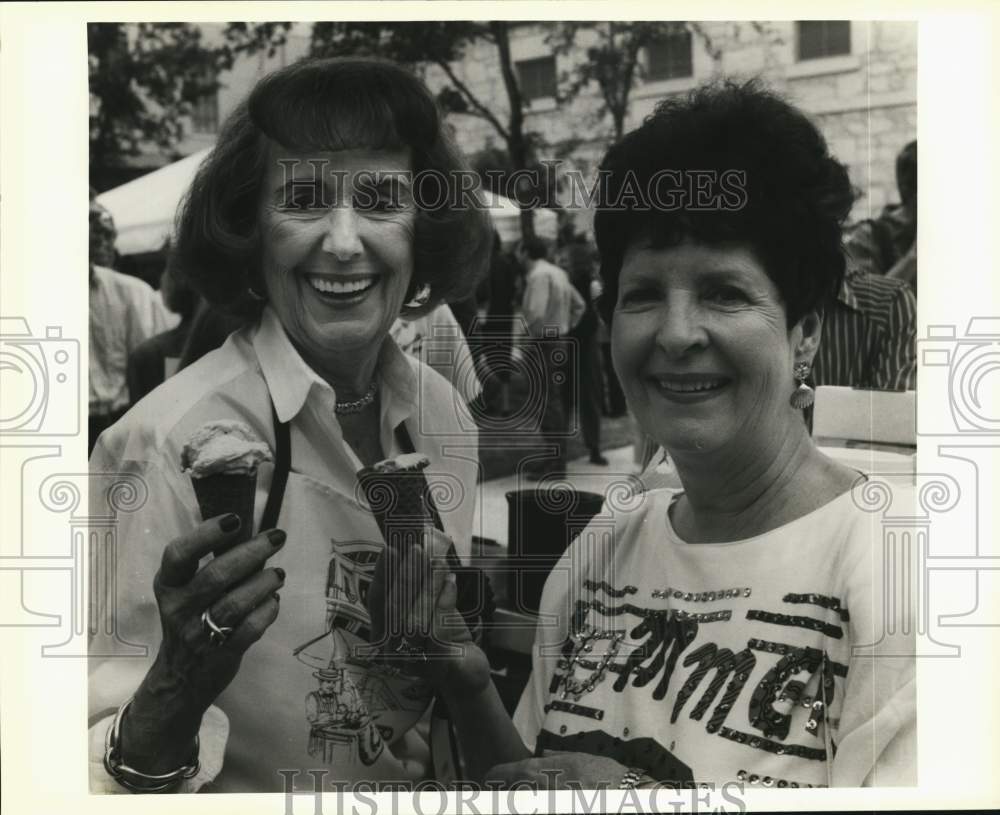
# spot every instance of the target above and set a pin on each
(210, 326)
(495, 340)
(887, 245)
(158, 358)
(124, 313)
(583, 386)
(552, 308)
(869, 335)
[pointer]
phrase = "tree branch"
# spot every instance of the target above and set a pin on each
(479, 107)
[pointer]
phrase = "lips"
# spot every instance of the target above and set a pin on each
(689, 385)
(342, 288)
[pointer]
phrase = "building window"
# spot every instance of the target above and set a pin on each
(669, 57)
(823, 38)
(205, 116)
(537, 77)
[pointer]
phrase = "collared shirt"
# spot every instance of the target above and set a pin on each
(124, 312)
(329, 557)
(869, 336)
(550, 300)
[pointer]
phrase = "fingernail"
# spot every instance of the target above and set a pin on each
(229, 522)
(281, 574)
(276, 536)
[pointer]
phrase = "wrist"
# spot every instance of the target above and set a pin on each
(158, 733)
(467, 678)
(154, 777)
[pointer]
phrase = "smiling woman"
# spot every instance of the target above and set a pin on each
(726, 631)
(301, 222)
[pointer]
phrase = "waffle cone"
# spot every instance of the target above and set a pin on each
(400, 503)
(221, 493)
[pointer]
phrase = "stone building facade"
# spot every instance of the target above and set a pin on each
(857, 79)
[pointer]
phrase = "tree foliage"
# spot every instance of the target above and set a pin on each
(145, 79)
(613, 57)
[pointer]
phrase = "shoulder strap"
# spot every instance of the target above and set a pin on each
(403, 439)
(282, 464)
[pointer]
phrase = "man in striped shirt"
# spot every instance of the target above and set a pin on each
(869, 335)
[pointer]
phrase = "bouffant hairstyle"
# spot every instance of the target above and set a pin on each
(795, 195)
(319, 105)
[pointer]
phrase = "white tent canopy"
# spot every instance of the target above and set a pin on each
(144, 208)
(506, 217)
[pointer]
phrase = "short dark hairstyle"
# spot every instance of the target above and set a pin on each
(797, 195)
(535, 247)
(326, 105)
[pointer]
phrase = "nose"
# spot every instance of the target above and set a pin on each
(682, 329)
(342, 238)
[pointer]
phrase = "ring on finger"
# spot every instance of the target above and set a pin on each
(217, 634)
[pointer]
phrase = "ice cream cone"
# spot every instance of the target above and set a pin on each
(221, 457)
(400, 500)
(221, 493)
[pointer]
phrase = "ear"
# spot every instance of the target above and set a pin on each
(806, 336)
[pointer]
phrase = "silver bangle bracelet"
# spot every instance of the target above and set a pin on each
(132, 779)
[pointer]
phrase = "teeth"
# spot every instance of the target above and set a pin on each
(327, 286)
(690, 387)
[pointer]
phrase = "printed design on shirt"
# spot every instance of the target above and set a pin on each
(340, 726)
(784, 691)
(609, 590)
(643, 752)
(821, 600)
(358, 704)
(701, 596)
(753, 779)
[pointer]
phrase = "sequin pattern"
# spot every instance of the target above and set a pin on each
(830, 630)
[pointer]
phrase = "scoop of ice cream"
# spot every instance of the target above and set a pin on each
(407, 462)
(224, 446)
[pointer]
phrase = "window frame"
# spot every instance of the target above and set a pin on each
(838, 55)
(536, 61)
(665, 40)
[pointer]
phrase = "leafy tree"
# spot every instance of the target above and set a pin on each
(613, 57)
(141, 86)
(145, 79)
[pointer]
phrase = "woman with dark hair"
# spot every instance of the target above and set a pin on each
(742, 627)
(326, 210)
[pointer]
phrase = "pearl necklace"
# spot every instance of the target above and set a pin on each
(357, 405)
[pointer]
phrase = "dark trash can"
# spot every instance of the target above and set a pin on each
(541, 523)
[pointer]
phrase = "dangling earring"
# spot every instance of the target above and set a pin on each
(420, 298)
(254, 295)
(803, 395)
